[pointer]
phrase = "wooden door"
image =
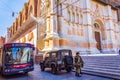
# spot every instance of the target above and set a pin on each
(97, 38)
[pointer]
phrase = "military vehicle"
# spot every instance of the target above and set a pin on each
(57, 60)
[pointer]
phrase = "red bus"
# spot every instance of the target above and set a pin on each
(16, 58)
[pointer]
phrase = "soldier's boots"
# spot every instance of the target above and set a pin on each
(77, 74)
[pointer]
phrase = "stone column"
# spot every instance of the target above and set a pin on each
(52, 28)
(87, 23)
(53, 19)
(109, 27)
(48, 25)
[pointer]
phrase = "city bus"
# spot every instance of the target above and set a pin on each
(16, 58)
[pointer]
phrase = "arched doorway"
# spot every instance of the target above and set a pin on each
(97, 34)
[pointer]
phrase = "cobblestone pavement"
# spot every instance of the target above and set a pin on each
(47, 75)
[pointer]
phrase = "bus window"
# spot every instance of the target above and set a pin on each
(19, 55)
(26, 55)
(8, 56)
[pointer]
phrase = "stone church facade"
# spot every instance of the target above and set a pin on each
(87, 26)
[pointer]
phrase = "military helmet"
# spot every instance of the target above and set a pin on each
(77, 53)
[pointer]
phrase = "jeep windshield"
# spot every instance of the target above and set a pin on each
(18, 55)
(66, 52)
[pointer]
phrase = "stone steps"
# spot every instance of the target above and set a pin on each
(103, 69)
(104, 62)
(102, 74)
(95, 66)
(114, 65)
(106, 66)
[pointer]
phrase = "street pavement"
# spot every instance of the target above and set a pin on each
(47, 75)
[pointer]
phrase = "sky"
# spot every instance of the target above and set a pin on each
(7, 7)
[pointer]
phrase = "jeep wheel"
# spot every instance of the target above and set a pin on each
(42, 67)
(68, 69)
(53, 69)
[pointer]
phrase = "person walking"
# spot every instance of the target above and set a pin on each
(119, 51)
(78, 64)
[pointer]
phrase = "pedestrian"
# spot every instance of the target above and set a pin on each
(119, 51)
(78, 64)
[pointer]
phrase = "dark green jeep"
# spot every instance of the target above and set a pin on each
(57, 60)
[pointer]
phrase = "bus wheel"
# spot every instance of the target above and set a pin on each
(1, 71)
(26, 72)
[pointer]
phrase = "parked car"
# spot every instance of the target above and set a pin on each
(57, 60)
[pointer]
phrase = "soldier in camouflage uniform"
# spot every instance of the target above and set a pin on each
(78, 64)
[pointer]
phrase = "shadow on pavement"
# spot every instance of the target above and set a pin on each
(14, 76)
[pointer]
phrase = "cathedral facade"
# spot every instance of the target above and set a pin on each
(87, 26)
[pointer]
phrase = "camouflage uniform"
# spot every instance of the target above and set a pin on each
(78, 65)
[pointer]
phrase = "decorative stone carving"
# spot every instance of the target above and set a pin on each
(44, 5)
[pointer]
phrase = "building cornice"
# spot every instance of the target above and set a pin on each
(25, 26)
(106, 2)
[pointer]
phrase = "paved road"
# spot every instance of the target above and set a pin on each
(38, 75)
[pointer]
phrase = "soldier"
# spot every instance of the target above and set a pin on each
(78, 64)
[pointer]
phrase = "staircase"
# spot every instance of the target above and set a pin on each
(105, 65)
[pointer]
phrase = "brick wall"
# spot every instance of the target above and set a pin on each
(2, 41)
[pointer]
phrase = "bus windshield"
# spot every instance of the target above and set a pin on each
(18, 55)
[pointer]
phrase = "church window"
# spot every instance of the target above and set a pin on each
(77, 18)
(73, 17)
(81, 19)
(20, 19)
(61, 9)
(96, 26)
(31, 10)
(16, 24)
(69, 16)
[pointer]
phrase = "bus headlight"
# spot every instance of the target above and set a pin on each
(7, 70)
